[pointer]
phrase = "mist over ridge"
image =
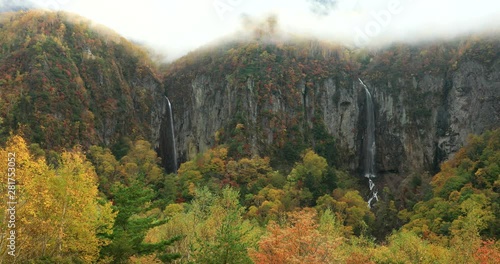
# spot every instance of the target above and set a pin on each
(173, 28)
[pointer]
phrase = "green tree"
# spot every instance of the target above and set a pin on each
(231, 239)
(131, 226)
(107, 168)
(310, 175)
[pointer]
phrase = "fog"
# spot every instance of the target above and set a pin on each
(175, 27)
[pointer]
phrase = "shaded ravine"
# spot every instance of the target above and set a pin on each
(369, 146)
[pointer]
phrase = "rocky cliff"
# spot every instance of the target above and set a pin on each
(279, 98)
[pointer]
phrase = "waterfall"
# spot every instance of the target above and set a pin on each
(369, 145)
(172, 133)
(167, 141)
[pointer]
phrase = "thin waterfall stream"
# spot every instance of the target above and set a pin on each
(369, 146)
(173, 150)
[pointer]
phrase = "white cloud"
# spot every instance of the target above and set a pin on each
(178, 26)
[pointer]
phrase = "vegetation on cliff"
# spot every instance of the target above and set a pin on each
(281, 80)
(75, 108)
(65, 82)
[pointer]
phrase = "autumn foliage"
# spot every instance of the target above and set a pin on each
(75, 107)
(65, 82)
(59, 214)
(298, 241)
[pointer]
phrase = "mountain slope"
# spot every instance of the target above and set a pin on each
(65, 82)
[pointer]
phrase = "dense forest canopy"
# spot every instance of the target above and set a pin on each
(65, 82)
(78, 108)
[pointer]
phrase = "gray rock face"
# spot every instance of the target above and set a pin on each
(472, 104)
(431, 117)
(199, 113)
(420, 120)
(341, 108)
(158, 108)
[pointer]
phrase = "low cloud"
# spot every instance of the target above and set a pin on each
(176, 27)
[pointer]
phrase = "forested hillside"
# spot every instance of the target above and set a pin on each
(269, 133)
(64, 81)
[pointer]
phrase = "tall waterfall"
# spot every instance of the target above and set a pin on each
(168, 151)
(174, 150)
(369, 145)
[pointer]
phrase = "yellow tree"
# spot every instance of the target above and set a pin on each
(32, 233)
(142, 163)
(466, 228)
(350, 208)
(59, 215)
(81, 216)
(407, 247)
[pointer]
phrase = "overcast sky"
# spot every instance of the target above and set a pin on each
(177, 26)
